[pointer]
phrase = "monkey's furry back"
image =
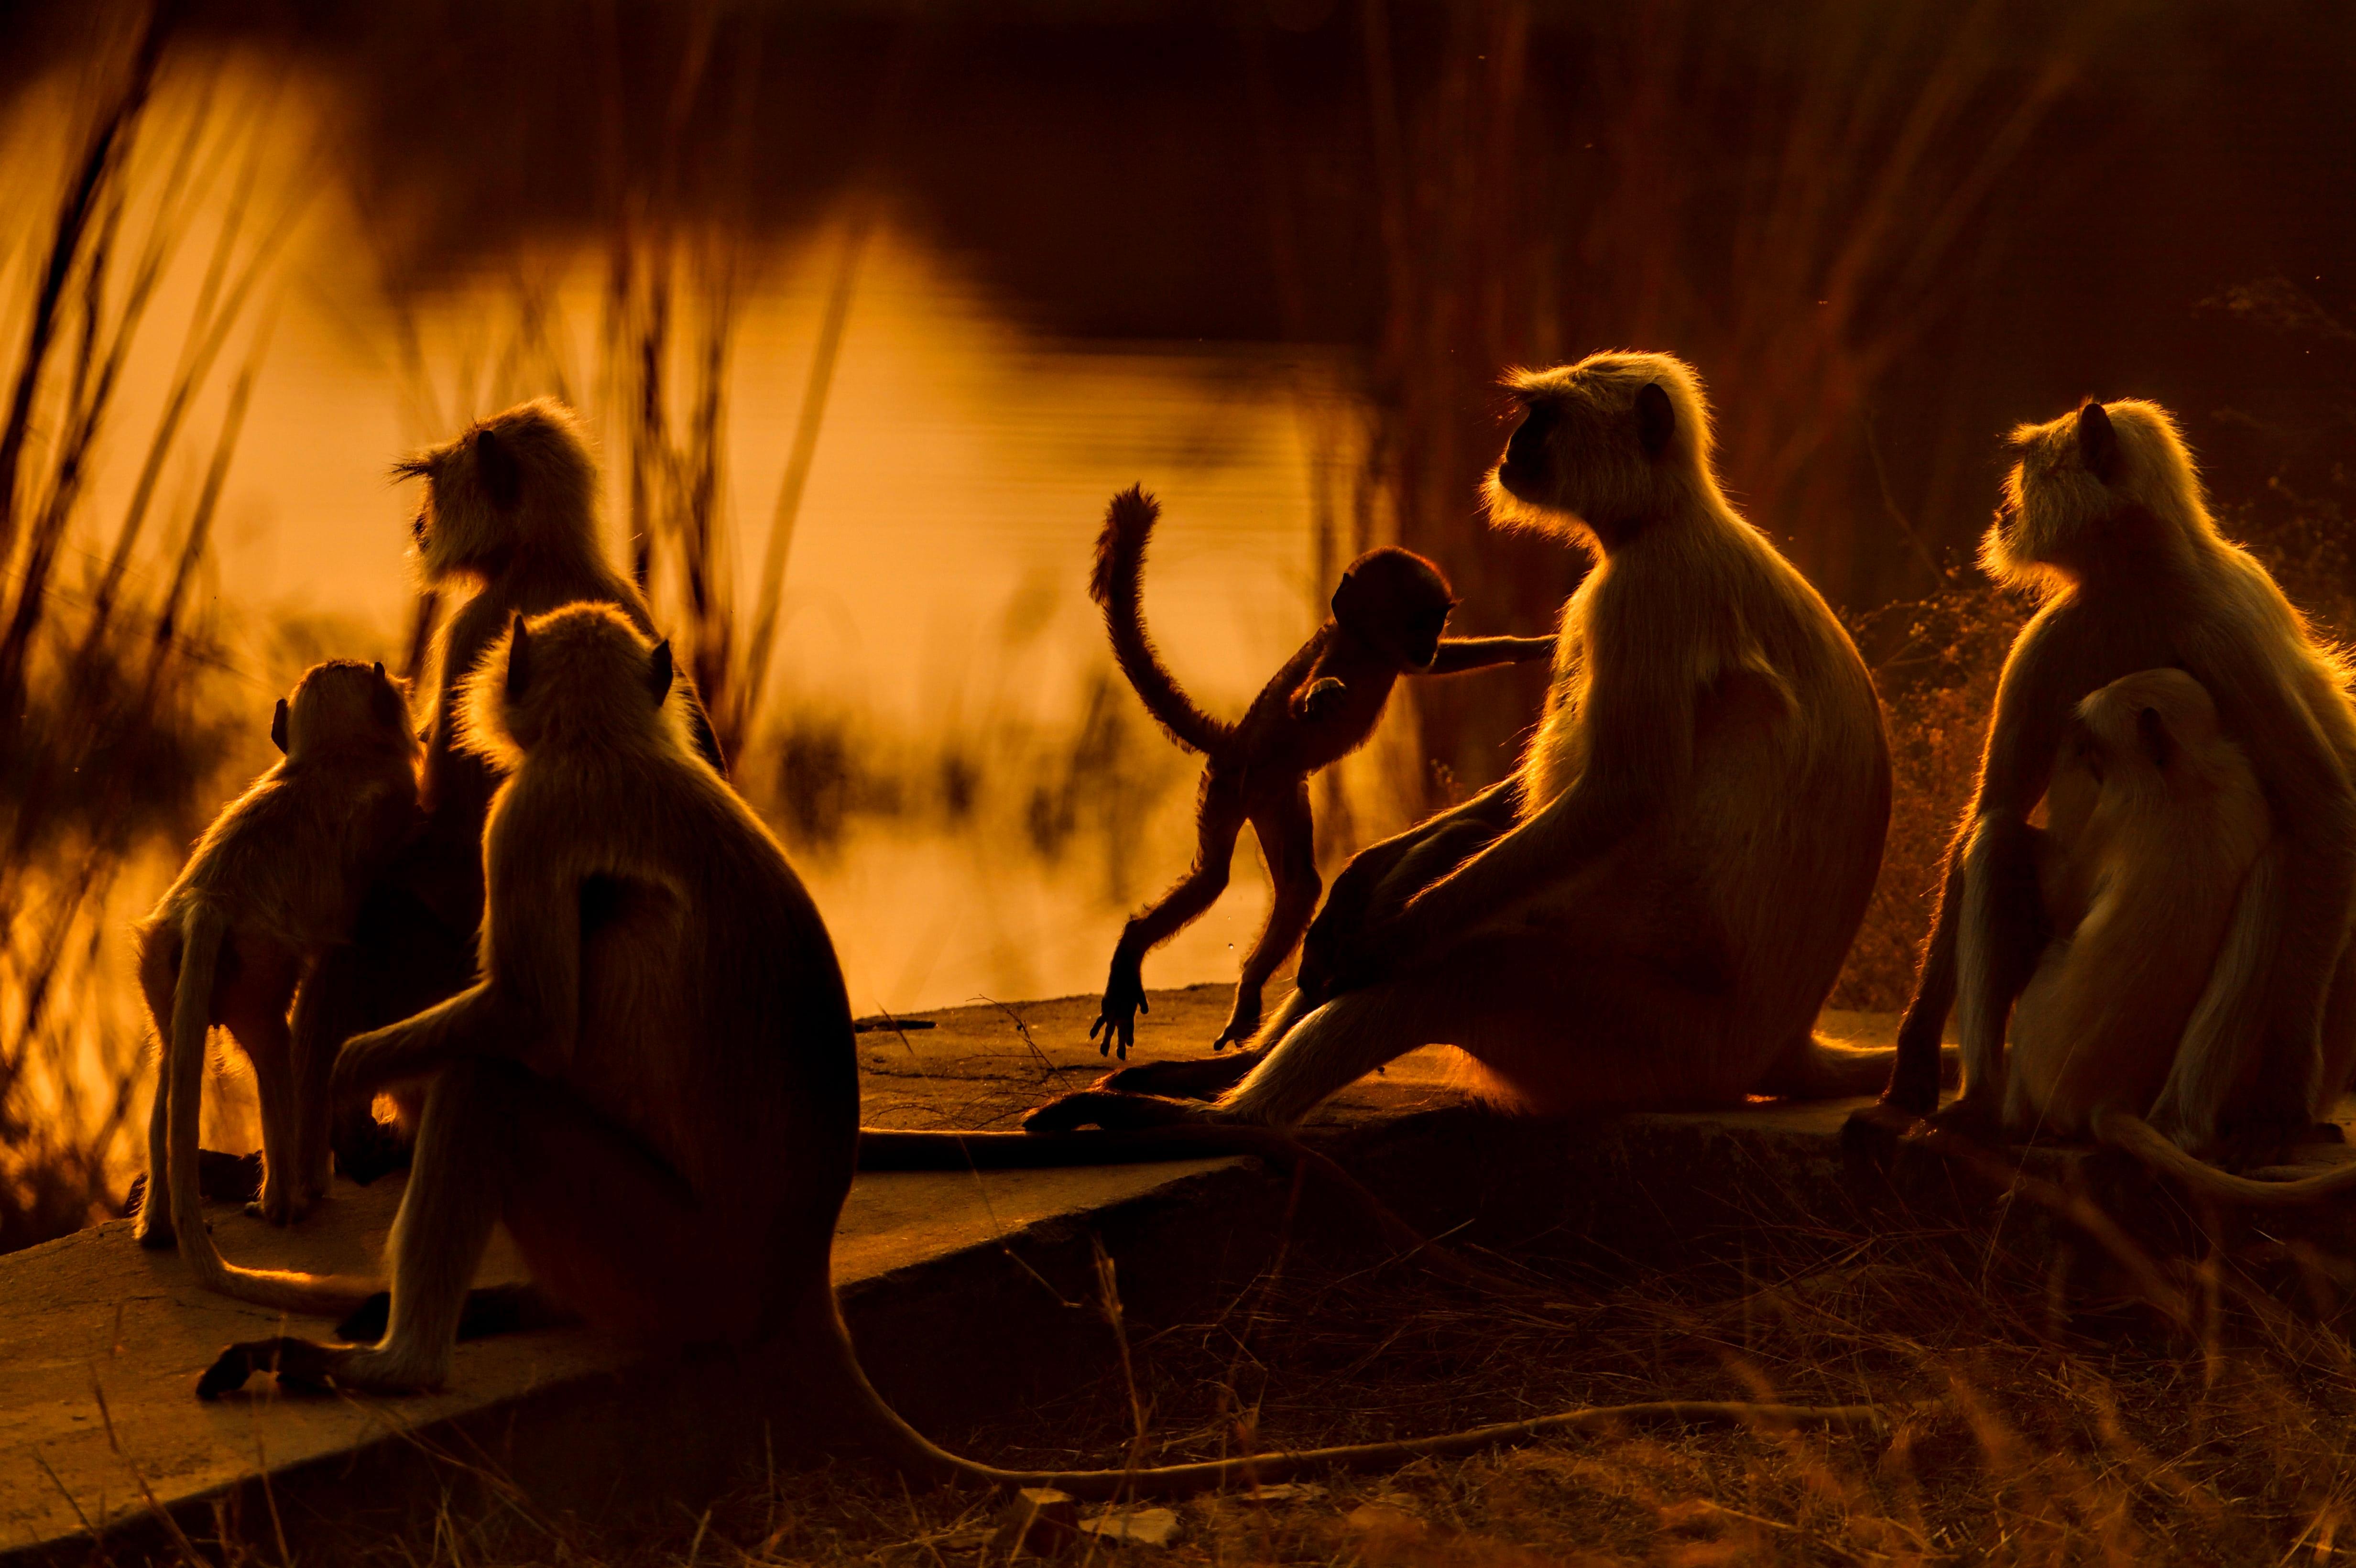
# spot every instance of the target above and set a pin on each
(722, 981)
(1116, 583)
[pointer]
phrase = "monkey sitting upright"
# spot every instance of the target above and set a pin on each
(511, 511)
(2153, 858)
(1389, 613)
(2105, 521)
(2154, 821)
(270, 889)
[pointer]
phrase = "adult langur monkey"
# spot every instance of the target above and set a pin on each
(2105, 521)
(1652, 908)
(510, 510)
(655, 1083)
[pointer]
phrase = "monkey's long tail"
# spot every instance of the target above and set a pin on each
(183, 1060)
(2146, 1142)
(909, 1450)
(1116, 584)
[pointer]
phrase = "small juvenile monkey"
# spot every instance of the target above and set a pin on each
(272, 886)
(2154, 820)
(1389, 613)
(2103, 519)
(2155, 825)
(511, 511)
(654, 1083)
(1652, 910)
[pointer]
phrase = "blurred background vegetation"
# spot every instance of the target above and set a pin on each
(1885, 231)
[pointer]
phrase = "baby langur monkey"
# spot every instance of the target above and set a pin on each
(655, 1083)
(1389, 612)
(2155, 825)
(268, 890)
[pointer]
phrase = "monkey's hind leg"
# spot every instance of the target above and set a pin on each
(1288, 838)
(458, 1181)
(154, 1229)
(1221, 819)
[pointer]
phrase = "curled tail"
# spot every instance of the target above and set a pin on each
(202, 934)
(2125, 1130)
(1115, 585)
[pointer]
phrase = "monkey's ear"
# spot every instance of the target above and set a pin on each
(502, 475)
(2153, 736)
(658, 672)
(519, 659)
(1657, 418)
(390, 707)
(278, 727)
(2098, 440)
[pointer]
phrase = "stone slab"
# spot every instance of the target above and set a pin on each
(958, 1285)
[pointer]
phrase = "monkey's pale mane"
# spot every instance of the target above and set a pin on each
(587, 684)
(2054, 499)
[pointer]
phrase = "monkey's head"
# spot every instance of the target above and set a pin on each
(579, 678)
(1396, 601)
(343, 707)
(520, 481)
(1602, 447)
(2111, 479)
(2146, 733)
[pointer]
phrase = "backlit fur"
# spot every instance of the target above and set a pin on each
(1653, 910)
(2103, 520)
(2155, 821)
(270, 887)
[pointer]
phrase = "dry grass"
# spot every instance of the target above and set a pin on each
(2017, 1435)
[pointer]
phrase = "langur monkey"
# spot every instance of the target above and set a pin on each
(2105, 521)
(270, 887)
(1652, 908)
(510, 509)
(654, 1083)
(1389, 613)
(2155, 825)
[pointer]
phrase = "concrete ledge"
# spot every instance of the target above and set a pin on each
(958, 1289)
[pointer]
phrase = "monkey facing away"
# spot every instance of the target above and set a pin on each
(270, 888)
(654, 1082)
(1389, 612)
(2104, 520)
(1652, 908)
(510, 510)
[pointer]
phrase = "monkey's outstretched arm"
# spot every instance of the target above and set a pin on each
(1478, 653)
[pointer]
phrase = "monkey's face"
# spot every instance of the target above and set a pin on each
(1397, 602)
(1599, 446)
(344, 705)
(522, 477)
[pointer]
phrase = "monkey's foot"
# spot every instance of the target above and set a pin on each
(1983, 1123)
(1881, 1116)
(1204, 1078)
(304, 1364)
(282, 1207)
(1113, 1113)
(232, 1177)
(365, 1153)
